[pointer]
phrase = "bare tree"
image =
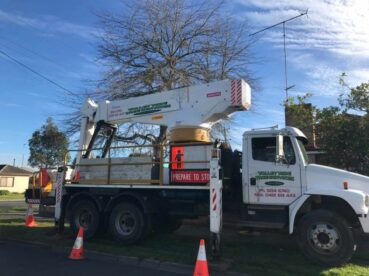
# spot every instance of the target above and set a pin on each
(158, 45)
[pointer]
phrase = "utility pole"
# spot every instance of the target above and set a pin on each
(283, 23)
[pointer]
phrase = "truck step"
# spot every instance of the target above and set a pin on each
(266, 207)
(262, 224)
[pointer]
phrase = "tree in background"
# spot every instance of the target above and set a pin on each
(342, 136)
(48, 146)
(357, 98)
(340, 133)
(298, 112)
(158, 45)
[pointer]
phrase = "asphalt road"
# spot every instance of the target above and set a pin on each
(12, 203)
(7, 205)
(17, 259)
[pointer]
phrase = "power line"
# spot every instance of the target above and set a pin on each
(36, 73)
(29, 50)
(62, 41)
(60, 67)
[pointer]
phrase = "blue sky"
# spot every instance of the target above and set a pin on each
(58, 39)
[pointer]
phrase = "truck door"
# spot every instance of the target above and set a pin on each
(272, 181)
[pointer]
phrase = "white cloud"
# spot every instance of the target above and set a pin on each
(334, 38)
(360, 75)
(49, 25)
(33, 94)
(322, 76)
(12, 105)
(20, 20)
(337, 26)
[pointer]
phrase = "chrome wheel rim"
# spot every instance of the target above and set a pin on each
(125, 223)
(324, 238)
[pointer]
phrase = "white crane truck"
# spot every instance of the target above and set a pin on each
(270, 184)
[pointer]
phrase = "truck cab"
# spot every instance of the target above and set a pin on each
(274, 162)
(323, 206)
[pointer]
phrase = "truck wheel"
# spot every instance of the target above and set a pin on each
(127, 223)
(84, 214)
(326, 238)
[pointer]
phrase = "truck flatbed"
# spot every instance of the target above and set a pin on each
(138, 186)
(135, 186)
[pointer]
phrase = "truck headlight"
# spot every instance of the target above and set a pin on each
(367, 200)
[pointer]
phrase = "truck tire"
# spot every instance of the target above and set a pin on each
(326, 238)
(84, 214)
(127, 223)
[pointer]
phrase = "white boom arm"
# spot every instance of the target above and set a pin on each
(201, 105)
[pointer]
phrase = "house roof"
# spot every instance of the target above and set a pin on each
(7, 170)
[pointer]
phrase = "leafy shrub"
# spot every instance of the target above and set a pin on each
(4, 192)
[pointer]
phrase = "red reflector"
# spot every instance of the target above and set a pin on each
(345, 185)
(77, 176)
(44, 177)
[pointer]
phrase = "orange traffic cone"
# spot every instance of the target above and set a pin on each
(201, 268)
(77, 250)
(30, 219)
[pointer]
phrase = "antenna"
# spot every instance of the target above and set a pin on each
(284, 45)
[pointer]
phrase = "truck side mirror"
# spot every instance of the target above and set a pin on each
(280, 157)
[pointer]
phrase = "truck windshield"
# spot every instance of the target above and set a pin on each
(300, 142)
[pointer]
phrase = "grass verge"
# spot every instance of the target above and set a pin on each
(267, 254)
(12, 196)
(16, 210)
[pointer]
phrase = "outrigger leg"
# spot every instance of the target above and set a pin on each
(59, 213)
(216, 187)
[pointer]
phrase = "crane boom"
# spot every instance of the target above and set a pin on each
(199, 106)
